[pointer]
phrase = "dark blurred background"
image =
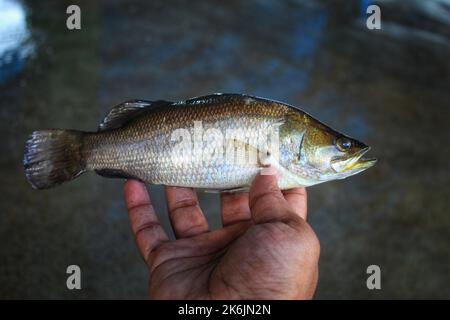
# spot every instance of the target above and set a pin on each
(388, 87)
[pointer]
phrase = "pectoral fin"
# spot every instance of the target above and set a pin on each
(246, 153)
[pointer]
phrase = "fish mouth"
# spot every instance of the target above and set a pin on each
(354, 163)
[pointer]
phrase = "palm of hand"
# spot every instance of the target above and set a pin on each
(267, 252)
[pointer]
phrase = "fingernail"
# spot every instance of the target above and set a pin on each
(269, 171)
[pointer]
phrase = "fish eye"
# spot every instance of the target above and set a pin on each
(343, 144)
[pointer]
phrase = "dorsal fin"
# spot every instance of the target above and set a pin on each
(124, 112)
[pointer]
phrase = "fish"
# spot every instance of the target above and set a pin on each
(215, 143)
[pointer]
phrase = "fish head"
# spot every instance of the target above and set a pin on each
(323, 154)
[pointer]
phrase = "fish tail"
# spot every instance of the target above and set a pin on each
(53, 157)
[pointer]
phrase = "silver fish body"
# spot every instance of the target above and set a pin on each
(216, 142)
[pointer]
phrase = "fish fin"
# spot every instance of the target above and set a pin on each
(248, 152)
(124, 112)
(115, 173)
(260, 148)
(231, 190)
(53, 157)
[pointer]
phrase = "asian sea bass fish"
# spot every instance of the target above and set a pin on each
(143, 139)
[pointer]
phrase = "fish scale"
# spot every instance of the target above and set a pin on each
(143, 148)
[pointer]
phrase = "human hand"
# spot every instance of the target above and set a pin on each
(265, 250)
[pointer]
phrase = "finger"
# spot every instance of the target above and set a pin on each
(145, 224)
(184, 211)
(234, 208)
(297, 200)
(267, 203)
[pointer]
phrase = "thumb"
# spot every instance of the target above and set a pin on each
(267, 203)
